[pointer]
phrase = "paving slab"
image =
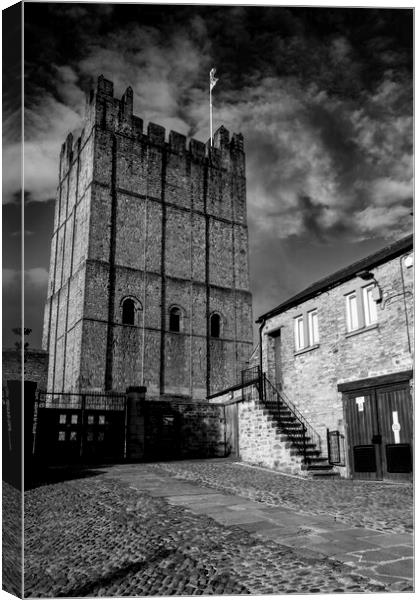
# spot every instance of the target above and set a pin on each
(197, 499)
(391, 539)
(226, 517)
(403, 568)
(374, 556)
(349, 533)
(401, 551)
(257, 526)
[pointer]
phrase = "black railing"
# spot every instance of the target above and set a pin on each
(89, 400)
(291, 420)
(250, 375)
(335, 443)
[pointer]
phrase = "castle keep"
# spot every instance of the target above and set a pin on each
(149, 279)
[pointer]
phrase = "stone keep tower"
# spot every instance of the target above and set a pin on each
(149, 279)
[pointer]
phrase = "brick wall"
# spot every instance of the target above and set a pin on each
(310, 378)
(163, 223)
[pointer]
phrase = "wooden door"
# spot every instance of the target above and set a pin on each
(362, 434)
(395, 417)
(380, 432)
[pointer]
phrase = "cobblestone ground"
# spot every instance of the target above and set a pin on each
(11, 539)
(381, 506)
(98, 537)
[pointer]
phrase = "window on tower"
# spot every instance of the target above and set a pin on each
(175, 319)
(215, 322)
(128, 311)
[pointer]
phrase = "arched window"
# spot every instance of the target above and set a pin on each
(175, 319)
(215, 326)
(128, 311)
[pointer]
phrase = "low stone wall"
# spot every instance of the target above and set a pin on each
(174, 428)
(184, 430)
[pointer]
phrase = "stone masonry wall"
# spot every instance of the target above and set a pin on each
(176, 429)
(259, 441)
(310, 377)
(164, 224)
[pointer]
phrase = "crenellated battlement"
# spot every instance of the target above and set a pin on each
(108, 112)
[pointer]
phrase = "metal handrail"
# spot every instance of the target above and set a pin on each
(306, 428)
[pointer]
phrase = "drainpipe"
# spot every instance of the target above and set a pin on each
(405, 302)
(262, 394)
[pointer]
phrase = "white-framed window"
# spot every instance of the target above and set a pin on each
(351, 312)
(369, 305)
(313, 329)
(299, 333)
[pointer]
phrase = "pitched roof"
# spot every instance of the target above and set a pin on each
(373, 260)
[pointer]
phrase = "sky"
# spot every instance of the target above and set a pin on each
(323, 97)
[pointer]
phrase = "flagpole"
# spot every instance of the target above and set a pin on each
(211, 118)
(212, 83)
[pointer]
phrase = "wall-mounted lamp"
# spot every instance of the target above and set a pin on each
(409, 261)
(377, 292)
(366, 275)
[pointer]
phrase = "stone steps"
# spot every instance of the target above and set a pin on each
(289, 430)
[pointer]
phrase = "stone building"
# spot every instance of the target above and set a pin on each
(149, 279)
(342, 352)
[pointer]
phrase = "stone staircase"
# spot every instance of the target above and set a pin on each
(302, 440)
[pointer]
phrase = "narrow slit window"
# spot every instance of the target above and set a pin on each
(215, 326)
(128, 310)
(175, 320)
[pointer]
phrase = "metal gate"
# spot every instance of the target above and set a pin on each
(80, 427)
(380, 432)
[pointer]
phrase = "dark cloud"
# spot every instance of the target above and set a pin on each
(312, 215)
(323, 97)
(35, 291)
